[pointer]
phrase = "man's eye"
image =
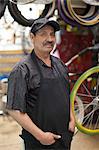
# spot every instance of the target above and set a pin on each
(42, 33)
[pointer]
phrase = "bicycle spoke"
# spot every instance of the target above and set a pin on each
(97, 123)
(88, 116)
(81, 94)
(86, 90)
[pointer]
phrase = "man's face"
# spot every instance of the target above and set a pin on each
(44, 39)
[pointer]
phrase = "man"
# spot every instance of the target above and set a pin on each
(38, 93)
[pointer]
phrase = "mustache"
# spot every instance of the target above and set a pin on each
(48, 43)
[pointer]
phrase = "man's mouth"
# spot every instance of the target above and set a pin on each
(49, 45)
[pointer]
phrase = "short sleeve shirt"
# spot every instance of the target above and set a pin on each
(24, 81)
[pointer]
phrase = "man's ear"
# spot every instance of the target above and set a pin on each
(31, 36)
(32, 39)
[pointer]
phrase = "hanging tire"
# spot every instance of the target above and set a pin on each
(3, 4)
(64, 13)
(91, 18)
(22, 20)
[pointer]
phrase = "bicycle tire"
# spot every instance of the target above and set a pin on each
(74, 91)
(65, 14)
(22, 2)
(90, 21)
(3, 4)
(18, 17)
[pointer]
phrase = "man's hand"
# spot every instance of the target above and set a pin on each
(72, 126)
(49, 138)
(72, 120)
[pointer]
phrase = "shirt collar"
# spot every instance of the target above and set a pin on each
(40, 61)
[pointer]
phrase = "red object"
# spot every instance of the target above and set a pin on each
(71, 44)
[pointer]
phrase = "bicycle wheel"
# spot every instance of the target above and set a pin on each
(87, 89)
(16, 12)
(22, 2)
(86, 21)
(2, 7)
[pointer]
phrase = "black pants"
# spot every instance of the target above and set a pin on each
(64, 143)
(58, 146)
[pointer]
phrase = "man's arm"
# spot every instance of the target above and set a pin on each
(24, 120)
(72, 121)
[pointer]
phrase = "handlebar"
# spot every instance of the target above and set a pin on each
(94, 48)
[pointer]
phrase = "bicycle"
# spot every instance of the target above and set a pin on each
(85, 97)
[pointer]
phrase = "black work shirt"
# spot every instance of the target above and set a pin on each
(24, 81)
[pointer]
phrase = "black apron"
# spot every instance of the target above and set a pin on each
(51, 113)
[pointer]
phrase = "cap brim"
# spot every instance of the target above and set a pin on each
(54, 24)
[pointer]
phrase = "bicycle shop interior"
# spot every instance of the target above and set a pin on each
(77, 45)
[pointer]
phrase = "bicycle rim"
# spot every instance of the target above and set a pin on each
(87, 88)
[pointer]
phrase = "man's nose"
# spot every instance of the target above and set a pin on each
(50, 38)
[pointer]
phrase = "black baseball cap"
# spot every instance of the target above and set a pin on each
(41, 22)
